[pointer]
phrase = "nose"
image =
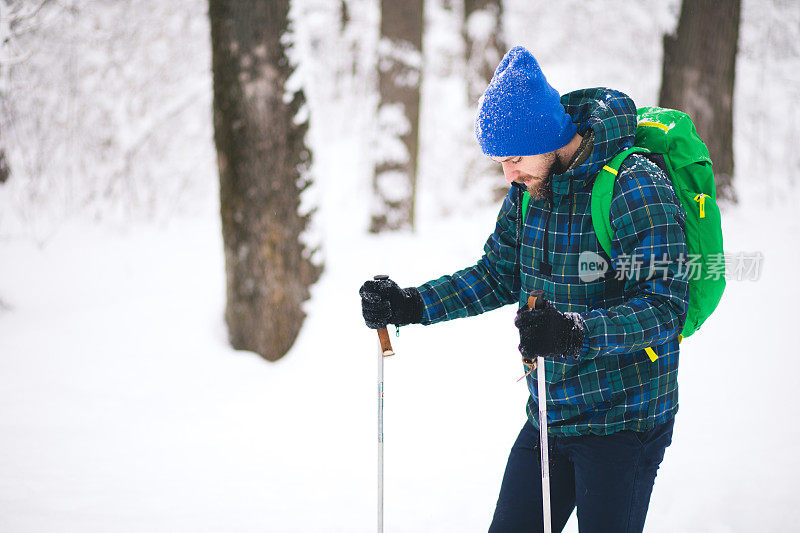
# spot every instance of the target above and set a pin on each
(509, 172)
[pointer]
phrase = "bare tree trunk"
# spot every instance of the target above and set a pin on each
(485, 45)
(14, 16)
(5, 170)
(399, 81)
(262, 158)
(698, 78)
(484, 48)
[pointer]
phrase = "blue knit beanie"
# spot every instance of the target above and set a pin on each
(520, 113)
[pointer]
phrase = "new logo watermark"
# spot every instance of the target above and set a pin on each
(737, 266)
(591, 266)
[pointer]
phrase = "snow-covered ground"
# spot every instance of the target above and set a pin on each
(122, 407)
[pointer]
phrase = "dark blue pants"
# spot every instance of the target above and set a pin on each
(608, 477)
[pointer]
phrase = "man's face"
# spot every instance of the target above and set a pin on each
(532, 171)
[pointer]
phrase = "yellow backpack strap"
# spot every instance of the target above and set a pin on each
(651, 353)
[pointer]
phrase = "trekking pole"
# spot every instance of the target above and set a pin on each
(385, 351)
(535, 303)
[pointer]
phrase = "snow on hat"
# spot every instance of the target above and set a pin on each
(520, 113)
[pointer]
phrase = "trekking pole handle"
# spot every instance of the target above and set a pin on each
(383, 333)
(534, 302)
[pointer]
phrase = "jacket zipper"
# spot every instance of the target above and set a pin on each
(545, 268)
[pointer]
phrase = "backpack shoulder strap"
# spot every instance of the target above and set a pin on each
(526, 200)
(602, 192)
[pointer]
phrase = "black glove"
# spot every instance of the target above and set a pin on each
(548, 332)
(384, 302)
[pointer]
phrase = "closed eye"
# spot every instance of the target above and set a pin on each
(513, 161)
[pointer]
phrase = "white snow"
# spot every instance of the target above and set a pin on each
(481, 23)
(125, 410)
(122, 407)
(399, 52)
(392, 124)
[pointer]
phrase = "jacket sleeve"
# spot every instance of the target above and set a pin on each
(648, 249)
(491, 283)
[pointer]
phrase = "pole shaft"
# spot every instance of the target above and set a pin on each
(545, 456)
(380, 441)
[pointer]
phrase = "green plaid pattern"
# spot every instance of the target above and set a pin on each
(612, 385)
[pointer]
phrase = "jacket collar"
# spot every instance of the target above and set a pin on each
(611, 115)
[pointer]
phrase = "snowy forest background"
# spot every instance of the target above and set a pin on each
(123, 406)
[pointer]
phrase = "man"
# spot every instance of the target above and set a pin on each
(610, 408)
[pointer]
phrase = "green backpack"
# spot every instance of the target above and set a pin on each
(672, 134)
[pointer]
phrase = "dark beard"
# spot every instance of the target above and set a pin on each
(557, 168)
(544, 188)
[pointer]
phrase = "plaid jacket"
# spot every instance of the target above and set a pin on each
(612, 385)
